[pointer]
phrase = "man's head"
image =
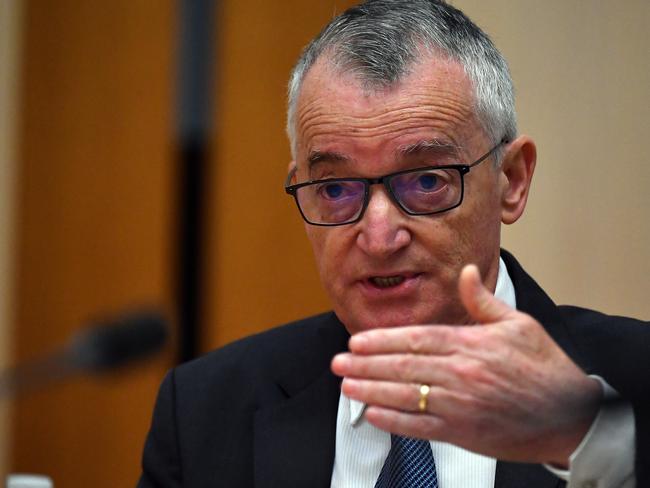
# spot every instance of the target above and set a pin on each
(391, 86)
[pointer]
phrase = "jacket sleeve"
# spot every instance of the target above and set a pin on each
(161, 464)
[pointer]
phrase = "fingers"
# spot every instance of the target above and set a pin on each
(482, 305)
(416, 339)
(394, 407)
(404, 397)
(408, 424)
(399, 396)
(403, 368)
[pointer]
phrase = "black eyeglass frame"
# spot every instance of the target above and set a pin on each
(462, 169)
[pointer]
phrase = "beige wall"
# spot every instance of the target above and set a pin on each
(10, 33)
(582, 73)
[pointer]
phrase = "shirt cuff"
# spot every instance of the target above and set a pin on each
(605, 457)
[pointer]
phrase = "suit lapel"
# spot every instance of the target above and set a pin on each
(295, 442)
(295, 439)
(518, 475)
(532, 300)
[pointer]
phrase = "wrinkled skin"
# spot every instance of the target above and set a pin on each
(504, 389)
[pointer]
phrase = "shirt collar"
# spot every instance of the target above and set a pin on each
(504, 291)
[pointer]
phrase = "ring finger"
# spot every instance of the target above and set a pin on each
(405, 397)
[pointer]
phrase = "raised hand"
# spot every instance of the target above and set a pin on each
(502, 388)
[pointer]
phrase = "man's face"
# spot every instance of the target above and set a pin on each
(392, 269)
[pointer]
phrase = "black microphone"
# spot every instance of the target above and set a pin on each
(107, 345)
(111, 344)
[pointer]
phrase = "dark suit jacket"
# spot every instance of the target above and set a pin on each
(261, 412)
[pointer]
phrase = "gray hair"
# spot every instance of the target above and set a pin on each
(379, 40)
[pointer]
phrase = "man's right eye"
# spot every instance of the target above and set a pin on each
(331, 191)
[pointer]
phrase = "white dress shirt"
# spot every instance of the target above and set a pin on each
(604, 459)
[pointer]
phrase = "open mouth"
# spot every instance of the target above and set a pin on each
(387, 281)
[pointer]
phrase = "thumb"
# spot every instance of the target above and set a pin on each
(482, 305)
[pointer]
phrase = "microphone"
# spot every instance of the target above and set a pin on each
(108, 345)
(117, 342)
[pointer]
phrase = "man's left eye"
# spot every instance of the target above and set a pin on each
(427, 181)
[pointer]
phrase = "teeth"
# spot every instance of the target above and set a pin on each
(387, 282)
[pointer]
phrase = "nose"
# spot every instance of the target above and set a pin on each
(382, 230)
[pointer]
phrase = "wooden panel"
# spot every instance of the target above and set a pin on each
(94, 224)
(259, 269)
(10, 36)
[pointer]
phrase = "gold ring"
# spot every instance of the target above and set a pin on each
(424, 398)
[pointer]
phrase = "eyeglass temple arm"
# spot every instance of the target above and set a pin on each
(292, 172)
(503, 141)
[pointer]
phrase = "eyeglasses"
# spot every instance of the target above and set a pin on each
(419, 191)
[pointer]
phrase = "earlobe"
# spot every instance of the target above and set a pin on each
(517, 170)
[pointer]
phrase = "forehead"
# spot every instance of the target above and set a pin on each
(335, 112)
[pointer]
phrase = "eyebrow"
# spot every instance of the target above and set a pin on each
(316, 157)
(432, 147)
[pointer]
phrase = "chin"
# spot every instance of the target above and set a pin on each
(359, 323)
(452, 314)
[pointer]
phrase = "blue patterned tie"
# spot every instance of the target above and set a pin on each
(409, 464)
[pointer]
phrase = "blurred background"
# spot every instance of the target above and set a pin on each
(142, 156)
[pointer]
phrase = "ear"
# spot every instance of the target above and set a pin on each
(291, 173)
(517, 169)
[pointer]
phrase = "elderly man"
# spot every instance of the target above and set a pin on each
(458, 371)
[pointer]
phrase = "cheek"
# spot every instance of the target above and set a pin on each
(314, 235)
(482, 196)
(470, 233)
(328, 248)
(480, 231)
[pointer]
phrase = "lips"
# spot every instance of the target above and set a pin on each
(390, 280)
(386, 281)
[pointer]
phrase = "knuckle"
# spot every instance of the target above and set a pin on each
(445, 335)
(404, 367)
(416, 339)
(467, 370)
(520, 328)
(472, 337)
(524, 325)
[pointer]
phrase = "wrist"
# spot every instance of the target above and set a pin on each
(585, 414)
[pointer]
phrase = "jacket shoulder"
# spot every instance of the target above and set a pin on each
(584, 317)
(303, 348)
(614, 347)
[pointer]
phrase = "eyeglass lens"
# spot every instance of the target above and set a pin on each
(424, 192)
(417, 192)
(332, 201)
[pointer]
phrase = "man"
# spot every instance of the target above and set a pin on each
(406, 162)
